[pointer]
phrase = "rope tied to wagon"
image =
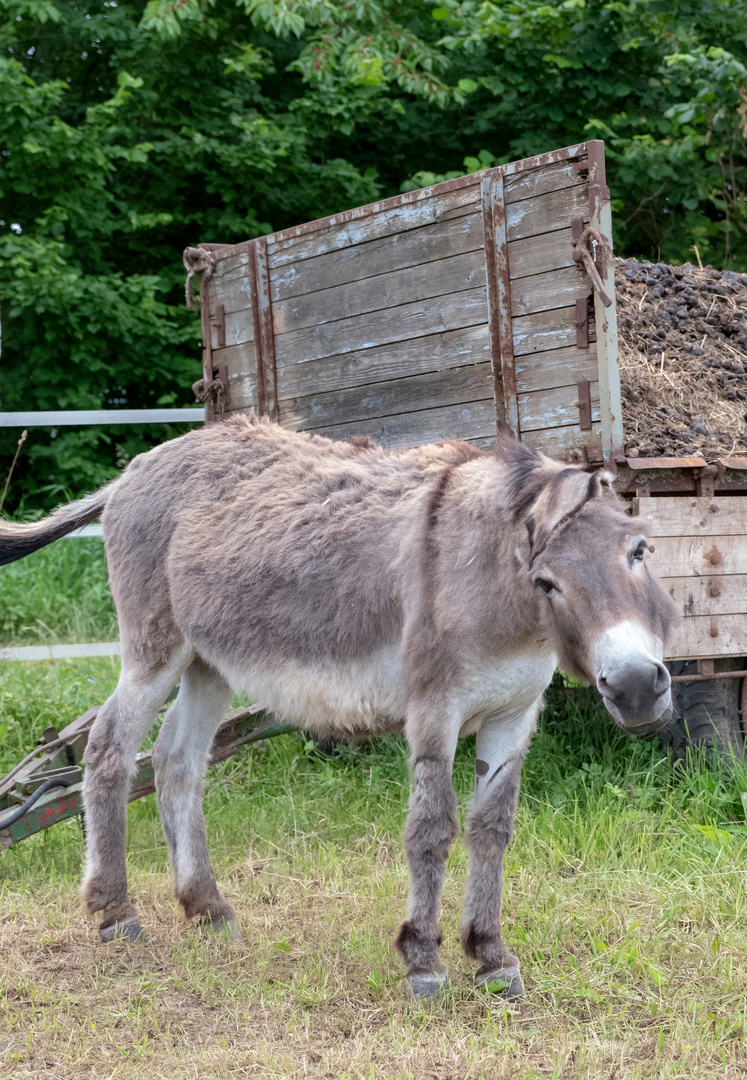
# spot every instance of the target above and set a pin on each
(197, 260)
(590, 244)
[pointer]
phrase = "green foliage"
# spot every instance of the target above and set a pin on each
(132, 129)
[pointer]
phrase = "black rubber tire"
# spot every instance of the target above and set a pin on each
(707, 713)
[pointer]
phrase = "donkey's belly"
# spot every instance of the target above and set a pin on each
(362, 696)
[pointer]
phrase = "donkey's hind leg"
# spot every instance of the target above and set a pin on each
(180, 759)
(110, 759)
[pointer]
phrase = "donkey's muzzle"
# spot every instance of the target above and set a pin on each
(637, 693)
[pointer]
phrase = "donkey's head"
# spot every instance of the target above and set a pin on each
(607, 614)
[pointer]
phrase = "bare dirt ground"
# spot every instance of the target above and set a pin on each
(683, 359)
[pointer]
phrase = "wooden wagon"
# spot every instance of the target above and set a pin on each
(444, 313)
(483, 302)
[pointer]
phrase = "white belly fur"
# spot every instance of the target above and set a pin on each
(367, 696)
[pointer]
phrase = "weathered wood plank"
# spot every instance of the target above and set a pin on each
(420, 282)
(237, 358)
(559, 367)
(467, 346)
(528, 217)
(422, 317)
(243, 392)
(231, 290)
(432, 390)
(694, 638)
(724, 516)
(529, 183)
(553, 289)
(372, 226)
(239, 327)
(703, 556)
(544, 330)
(395, 252)
(546, 213)
(726, 595)
(539, 254)
(471, 420)
(554, 408)
(566, 443)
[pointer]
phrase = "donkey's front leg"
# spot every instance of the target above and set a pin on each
(430, 828)
(500, 752)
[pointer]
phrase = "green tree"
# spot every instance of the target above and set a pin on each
(129, 130)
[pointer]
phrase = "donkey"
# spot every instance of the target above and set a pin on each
(355, 591)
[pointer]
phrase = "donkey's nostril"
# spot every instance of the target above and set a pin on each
(602, 680)
(662, 681)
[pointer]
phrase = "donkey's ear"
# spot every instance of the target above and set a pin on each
(560, 498)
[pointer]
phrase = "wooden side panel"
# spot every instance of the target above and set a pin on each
(442, 277)
(704, 636)
(400, 323)
(700, 555)
(382, 320)
(414, 247)
(473, 420)
(381, 399)
(722, 516)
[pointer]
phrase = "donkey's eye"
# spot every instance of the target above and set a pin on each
(546, 585)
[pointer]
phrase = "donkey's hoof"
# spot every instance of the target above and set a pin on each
(428, 984)
(129, 929)
(510, 985)
(224, 926)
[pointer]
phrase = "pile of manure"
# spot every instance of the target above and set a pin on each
(683, 359)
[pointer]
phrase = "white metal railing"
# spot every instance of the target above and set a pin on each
(86, 418)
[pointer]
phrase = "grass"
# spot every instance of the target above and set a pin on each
(625, 901)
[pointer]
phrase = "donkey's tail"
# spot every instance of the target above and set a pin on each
(18, 539)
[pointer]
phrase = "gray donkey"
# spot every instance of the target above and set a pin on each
(354, 591)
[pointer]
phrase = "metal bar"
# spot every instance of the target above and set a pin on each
(240, 727)
(499, 301)
(207, 346)
(61, 652)
(87, 417)
(582, 322)
(600, 218)
(705, 678)
(85, 531)
(266, 335)
(584, 404)
(253, 286)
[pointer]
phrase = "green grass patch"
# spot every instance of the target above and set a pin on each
(625, 902)
(59, 594)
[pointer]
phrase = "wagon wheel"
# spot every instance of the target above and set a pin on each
(708, 713)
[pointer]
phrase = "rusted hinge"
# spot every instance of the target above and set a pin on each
(216, 394)
(590, 253)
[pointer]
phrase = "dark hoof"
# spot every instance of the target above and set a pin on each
(427, 985)
(223, 926)
(129, 929)
(504, 981)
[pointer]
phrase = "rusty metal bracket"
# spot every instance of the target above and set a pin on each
(216, 393)
(582, 322)
(218, 322)
(590, 250)
(584, 405)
